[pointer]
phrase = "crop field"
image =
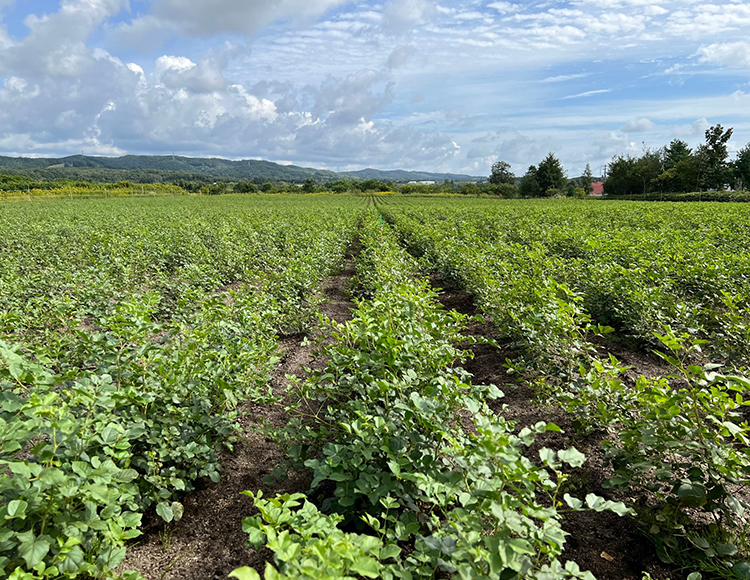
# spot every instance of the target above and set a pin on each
(403, 388)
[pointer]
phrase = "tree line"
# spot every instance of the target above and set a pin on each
(676, 168)
(547, 179)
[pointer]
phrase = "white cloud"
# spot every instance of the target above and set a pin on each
(196, 18)
(503, 7)
(642, 125)
(564, 78)
(336, 81)
(400, 56)
(588, 94)
(402, 15)
(732, 54)
(56, 44)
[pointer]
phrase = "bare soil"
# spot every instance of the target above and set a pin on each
(208, 542)
(609, 546)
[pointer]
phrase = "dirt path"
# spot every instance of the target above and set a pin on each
(208, 542)
(607, 545)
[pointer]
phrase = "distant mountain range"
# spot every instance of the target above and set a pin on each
(141, 168)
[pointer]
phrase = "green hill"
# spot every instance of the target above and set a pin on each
(157, 168)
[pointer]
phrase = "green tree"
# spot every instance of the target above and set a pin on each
(648, 168)
(470, 188)
(712, 158)
(741, 167)
(676, 152)
(622, 178)
(587, 179)
(245, 187)
(309, 185)
(550, 174)
(501, 173)
(679, 168)
(530, 184)
(340, 186)
(504, 190)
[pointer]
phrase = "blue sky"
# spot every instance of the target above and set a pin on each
(412, 84)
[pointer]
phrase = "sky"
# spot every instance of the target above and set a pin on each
(402, 84)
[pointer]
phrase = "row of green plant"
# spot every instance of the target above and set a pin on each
(632, 267)
(130, 337)
(413, 475)
(677, 445)
(680, 445)
(79, 190)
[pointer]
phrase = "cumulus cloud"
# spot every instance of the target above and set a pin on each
(641, 125)
(400, 56)
(56, 43)
(732, 54)
(402, 15)
(337, 80)
(206, 18)
(189, 106)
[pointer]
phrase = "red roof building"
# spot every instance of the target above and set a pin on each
(597, 188)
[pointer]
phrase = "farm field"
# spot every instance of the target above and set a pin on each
(515, 425)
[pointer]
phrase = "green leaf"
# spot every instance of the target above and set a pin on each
(742, 570)
(726, 549)
(572, 502)
(16, 509)
(389, 551)
(244, 573)
(368, 567)
(572, 457)
(33, 551)
(165, 511)
(694, 576)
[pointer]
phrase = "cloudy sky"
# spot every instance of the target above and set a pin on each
(413, 84)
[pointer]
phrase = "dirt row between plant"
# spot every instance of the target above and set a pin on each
(610, 547)
(208, 542)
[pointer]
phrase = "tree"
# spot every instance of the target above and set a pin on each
(676, 152)
(550, 174)
(648, 168)
(587, 179)
(340, 186)
(622, 178)
(712, 158)
(470, 188)
(741, 167)
(501, 173)
(679, 168)
(309, 185)
(529, 184)
(245, 187)
(504, 190)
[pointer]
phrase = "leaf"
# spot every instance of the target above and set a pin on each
(368, 567)
(165, 511)
(742, 570)
(244, 573)
(726, 549)
(694, 576)
(177, 510)
(572, 502)
(572, 457)
(547, 455)
(33, 551)
(389, 551)
(16, 509)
